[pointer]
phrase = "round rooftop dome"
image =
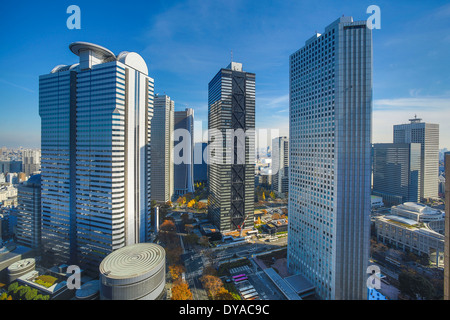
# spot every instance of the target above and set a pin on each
(88, 291)
(133, 272)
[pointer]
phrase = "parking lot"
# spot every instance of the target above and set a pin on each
(256, 282)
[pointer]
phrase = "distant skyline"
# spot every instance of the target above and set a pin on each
(185, 42)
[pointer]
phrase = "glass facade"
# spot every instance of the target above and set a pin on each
(330, 159)
(95, 160)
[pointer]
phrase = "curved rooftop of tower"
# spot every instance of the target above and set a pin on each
(78, 47)
(91, 54)
(132, 261)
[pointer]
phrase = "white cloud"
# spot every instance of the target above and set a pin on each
(388, 112)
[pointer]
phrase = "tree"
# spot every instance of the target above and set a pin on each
(185, 218)
(12, 287)
(210, 270)
(276, 216)
(191, 238)
(415, 285)
(173, 255)
(224, 294)
(212, 284)
(201, 205)
(167, 225)
(181, 291)
(263, 196)
(181, 200)
(204, 241)
(272, 195)
(31, 294)
(191, 203)
(176, 271)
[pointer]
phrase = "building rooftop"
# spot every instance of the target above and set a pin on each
(132, 261)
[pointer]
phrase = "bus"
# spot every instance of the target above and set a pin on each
(247, 291)
(250, 295)
(245, 288)
(240, 279)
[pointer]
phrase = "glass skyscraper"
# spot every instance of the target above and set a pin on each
(162, 149)
(330, 159)
(231, 168)
(280, 164)
(184, 172)
(95, 138)
(427, 134)
(396, 172)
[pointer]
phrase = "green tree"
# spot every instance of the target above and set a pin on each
(31, 294)
(12, 287)
(415, 285)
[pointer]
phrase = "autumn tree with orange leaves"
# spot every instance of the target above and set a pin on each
(176, 271)
(212, 284)
(181, 291)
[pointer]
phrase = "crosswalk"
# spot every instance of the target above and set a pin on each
(239, 269)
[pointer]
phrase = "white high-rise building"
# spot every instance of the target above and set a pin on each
(427, 134)
(330, 159)
(280, 164)
(162, 149)
(95, 155)
(31, 161)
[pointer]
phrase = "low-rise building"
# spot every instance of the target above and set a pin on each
(415, 228)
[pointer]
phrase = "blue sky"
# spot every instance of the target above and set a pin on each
(185, 43)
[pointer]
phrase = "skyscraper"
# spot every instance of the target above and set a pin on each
(31, 161)
(231, 167)
(396, 172)
(184, 170)
(95, 158)
(330, 159)
(162, 149)
(280, 164)
(427, 134)
(29, 213)
(447, 230)
(200, 163)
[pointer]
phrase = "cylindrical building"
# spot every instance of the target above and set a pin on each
(134, 272)
(20, 268)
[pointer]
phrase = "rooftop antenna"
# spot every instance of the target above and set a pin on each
(231, 55)
(415, 120)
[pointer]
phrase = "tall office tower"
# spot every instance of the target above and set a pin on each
(280, 164)
(330, 159)
(29, 213)
(427, 134)
(447, 229)
(94, 155)
(31, 161)
(396, 172)
(162, 149)
(184, 167)
(231, 168)
(200, 163)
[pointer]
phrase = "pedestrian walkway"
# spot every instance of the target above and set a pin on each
(239, 270)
